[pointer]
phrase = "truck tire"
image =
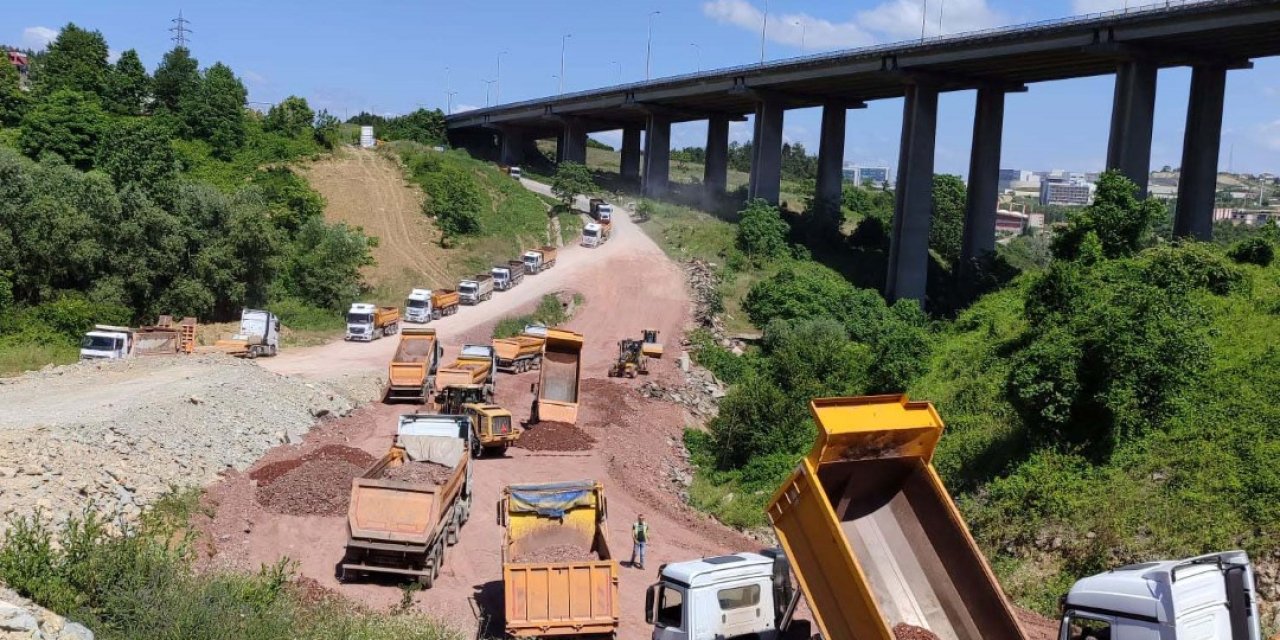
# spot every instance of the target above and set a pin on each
(477, 451)
(451, 535)
(466, 508)
(274, 350)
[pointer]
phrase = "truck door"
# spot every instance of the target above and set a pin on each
(665, 609)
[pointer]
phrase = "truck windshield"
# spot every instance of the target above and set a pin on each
(670, 607)
(359, 318)
(467, 288)
(98, 343)
(1082, 628)
(590, 233)
(415, 304)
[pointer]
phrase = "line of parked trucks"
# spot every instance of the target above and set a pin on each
(258, 335)
(367, 322)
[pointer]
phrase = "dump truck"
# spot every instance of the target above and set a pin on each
(492, 428)
(592, 235)
(367, 322)
(538, 260)
(558, 385)
(519, 353)
(602, 213)
(477, 289)
(475, 365)
(259, 335)
(554, 596)
(444, 302)
(417, 306)
(412, 372)
(506, 276)
(409, 506)
(870, 533)
(164, 338)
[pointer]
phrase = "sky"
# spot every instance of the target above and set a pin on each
(393, 56)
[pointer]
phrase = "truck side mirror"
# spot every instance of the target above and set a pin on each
(649, 601)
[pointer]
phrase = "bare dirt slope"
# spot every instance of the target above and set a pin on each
(366, 189)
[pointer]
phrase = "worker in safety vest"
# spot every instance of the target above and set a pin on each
(639, 539)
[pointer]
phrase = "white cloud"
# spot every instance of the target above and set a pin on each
(254, 77)
(1099, 6)
(112, 56)
(891, 20)
(793, 29)
(903, 19)
(37, 38)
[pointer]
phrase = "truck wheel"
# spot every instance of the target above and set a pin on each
(477, 451)
(274, 349)
(251, 353)
(466, 510)
(451, 536)
(427, 577)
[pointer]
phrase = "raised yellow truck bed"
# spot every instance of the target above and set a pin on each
(873, 535)
(561, 374)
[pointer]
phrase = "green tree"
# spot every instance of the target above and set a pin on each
(328, 129)
(128, 85)
(293, 117)
(68, 123)
(1256, 250)
(290, 199)
(218, 114)
(323, 264)
(137, 151)
(762, 233)
(150, 252)
(1120, 222)
(177, 81)
(13, 100)
(946, 231)
(571, 180)
(454, 199)
(76, 61)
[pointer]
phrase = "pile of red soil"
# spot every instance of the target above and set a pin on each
(554, 436)
(317, 484)
(420, 473)
(909, 632)
(557, 553)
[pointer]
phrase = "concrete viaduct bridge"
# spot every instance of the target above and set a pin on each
(1212, 37)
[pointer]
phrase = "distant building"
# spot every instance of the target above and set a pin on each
(1013, 178)
(1247, 217)
(1071, 191)
(21, 63)
(1011, 222)
(860, 175)
(1163, 191)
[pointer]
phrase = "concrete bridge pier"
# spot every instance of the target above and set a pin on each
(1198, 182)
(984, 179)
(1132, 116)
(913, 210)
(766, 151)
(571, 146)
(511, 151)
(657, 157)
(630, 166)
(715, 174)
(830, 184)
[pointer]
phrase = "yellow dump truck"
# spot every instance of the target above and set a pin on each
(558, 576)
(411, 375)
(561, 373)
(410, 505)
(519, 353)
(872, 534)
(475, 365)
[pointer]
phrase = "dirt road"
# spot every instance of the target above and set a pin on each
(365, 189)
(628, 285)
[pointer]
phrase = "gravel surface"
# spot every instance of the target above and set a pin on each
(421, 473)
(557, 553)
(908, 632)
(117, 435)
(318, 484)
(554, 436)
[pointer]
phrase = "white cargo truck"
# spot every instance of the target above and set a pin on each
(106, 342)
(592, 235)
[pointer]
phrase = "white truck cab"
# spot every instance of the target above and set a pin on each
(532, 261)
(360, 321)
(605, 211)
(106, 342)
(417, 307)
(591, 234)
(744, 595)
(514, 172)
(1210, 597)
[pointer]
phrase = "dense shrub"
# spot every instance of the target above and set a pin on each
(1255, 250)
(550, 313)
(1117, 221)
(762, 233)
